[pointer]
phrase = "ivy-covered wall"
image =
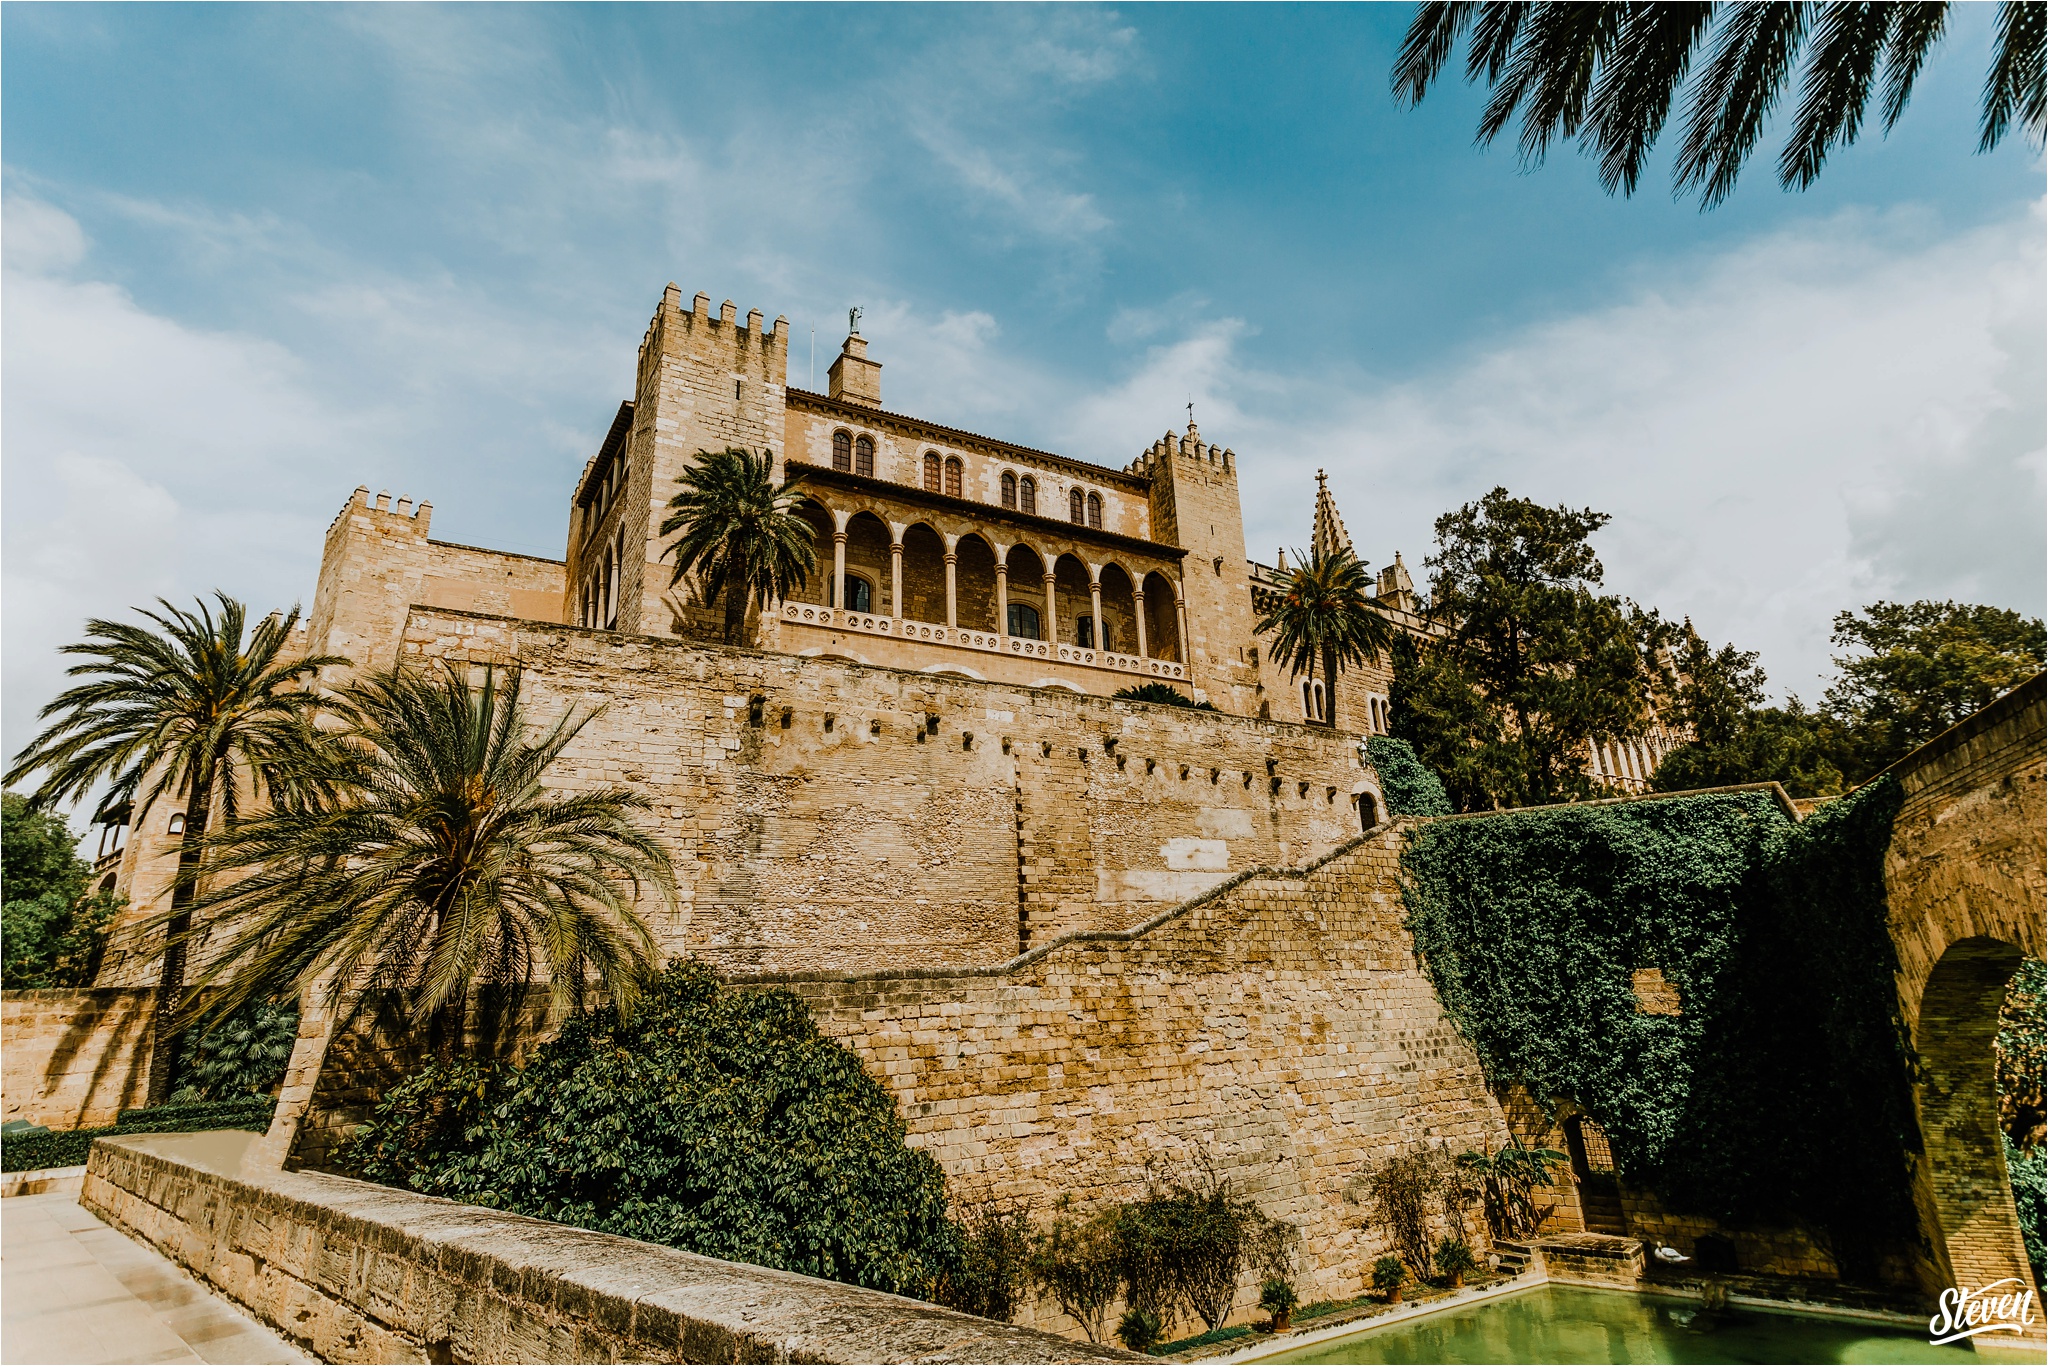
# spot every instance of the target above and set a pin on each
(1778, 1092)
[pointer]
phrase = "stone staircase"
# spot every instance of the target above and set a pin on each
(1514, 1257)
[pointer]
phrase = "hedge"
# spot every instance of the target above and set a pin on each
(69, 1147)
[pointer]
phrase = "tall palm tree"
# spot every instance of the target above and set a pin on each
(1323, 616)
(440, 862)
(189, 710)
(1609, 74)
(741, 534)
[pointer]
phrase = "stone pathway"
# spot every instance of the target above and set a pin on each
(74, 1290)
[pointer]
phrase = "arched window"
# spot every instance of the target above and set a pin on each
(1009, 489)
(953, 476)
(1095, 511)
(842, 450)
(1084, 632)
(1027, 495)
(857, 595)
(1368, 811)
(864, 457)
(1312, 699)
(1024, 620)
(177, 823)
(931, 471)
(1076, 510)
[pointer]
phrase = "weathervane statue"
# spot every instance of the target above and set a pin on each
(853, 321)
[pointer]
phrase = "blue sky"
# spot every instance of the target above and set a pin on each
(256, 256)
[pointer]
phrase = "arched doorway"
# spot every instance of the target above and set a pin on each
(924, 575)
(817, 588)
(1076, 604)
(1026, 593)
(974, 583)
(867, 565)
(1119, 630)
(1162, 618)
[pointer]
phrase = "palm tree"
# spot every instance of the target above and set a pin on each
(439, 862)
(1609, 74)
(187, 710)
(1323, 615)
(740, 533)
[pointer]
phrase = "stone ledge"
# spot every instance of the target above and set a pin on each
(1591, 1258)
(359, 1272)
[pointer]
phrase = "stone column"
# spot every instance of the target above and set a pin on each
(1180, 614)
(896, 572)
(838, 598)
(1138, 597)
(1049, 625)
(1002, 595)
(1095, 603)
(952, 600)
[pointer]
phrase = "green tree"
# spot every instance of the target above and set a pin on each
(53, 928)
(439, 863)
(714, 1120)
(1323, 616)
(1531, 665)
(1736, 739)
(739, 533)
(191, 710)
(1608, 76)
(1911, 670)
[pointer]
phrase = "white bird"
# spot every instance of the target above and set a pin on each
(1666, 1253)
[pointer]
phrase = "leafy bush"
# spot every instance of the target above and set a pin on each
(1184, 1244)
(1411, 789)
(714, 1120)
(1780, 1091)
(68, 1148)
(1080, 1264)
(1277, 1296)
(1454, 1259)
(995, 1261)
(1507, 1183)
(1164, 694)
(244, 1054)
(2023, 1053)
(2028, 1168)
(1138, 1329)
(1409, 1194)
(1387, 1275)
(53, 926)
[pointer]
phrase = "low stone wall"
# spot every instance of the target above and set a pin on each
(357, 1272)
(1592, 1259)
(74, 1059)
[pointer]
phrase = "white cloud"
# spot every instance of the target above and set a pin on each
(1818, 419)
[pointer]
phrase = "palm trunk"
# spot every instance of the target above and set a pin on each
(170, 989)
(735, 616)
(1330, 685)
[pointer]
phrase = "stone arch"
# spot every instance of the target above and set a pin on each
(867, 560)
(1162, 618)
(1026, 591)
(818, 587)
(1119, 632)
(1070, 579)
(974, 583)
(924, 574)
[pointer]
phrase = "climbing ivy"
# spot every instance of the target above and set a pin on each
(1779, 1092)
(1411, 788)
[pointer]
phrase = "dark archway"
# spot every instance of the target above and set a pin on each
(974, 584)
(924, 575)
(1026, 593)
(1162, 619)
(1119, 612)
(867, 561)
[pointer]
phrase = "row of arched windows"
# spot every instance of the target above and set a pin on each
(947, 475)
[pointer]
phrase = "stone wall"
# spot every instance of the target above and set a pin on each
(828, 816)
(353, 1272)
(1279, 1029)
(74, 1059)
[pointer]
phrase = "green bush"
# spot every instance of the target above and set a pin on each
(2028, 1168)
(1277, 1296)
(244, 1054)
(68, 1148)
(714, 1120)
(1164, 694)
(1454, 1259)
(1080, 1264)
(1411, 789)
(1139, 1329)
(1387, 1274)
(1780, 1090)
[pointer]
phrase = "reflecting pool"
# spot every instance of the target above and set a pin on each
(1569, 1324)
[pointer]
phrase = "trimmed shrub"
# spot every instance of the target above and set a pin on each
(68, 1148)
(1411, 788)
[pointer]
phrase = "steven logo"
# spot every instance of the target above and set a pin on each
(1965, 1312)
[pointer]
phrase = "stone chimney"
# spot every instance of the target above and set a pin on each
(853, 377)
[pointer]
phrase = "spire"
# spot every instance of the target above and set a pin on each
(1330, 535)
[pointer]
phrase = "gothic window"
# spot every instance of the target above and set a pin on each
(1076, 509)
(953, 472)
(1009, 489)
(1368, 811)
(857, 594)
(842, 450)
(931, 471)
(177, 823)
(1024, 620)
(1027, 495)
(1095, 511)
(1312, 699)
(1084, 632)
(864, 457)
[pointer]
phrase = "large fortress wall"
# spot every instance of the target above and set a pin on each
(828, 816)
(1280, 1028)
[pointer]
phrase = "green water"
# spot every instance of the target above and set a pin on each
(1564, 1324)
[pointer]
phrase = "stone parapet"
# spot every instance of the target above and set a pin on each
(355, 1272)
(1592, 1259)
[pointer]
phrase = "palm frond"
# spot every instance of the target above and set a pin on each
(2015, 88)
(1840, 74)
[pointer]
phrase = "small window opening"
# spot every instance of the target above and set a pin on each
(829, 719)
(756, 708)
(864, 457)
(786, 713)
(1095, 511)
(842, 450)
(1075, 510)
(875, 728)
(1009, 489)
(1027, 496)
(931, 471)
(177, 823)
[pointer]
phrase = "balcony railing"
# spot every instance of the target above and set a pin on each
(985, 642)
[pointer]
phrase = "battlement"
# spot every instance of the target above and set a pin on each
(418, 518)
(1188, 445)
(701, 332)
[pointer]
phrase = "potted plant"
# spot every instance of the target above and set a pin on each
(1139, 1329)
(1387, 1275)
(1453, 1259)
(1277, 1298)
